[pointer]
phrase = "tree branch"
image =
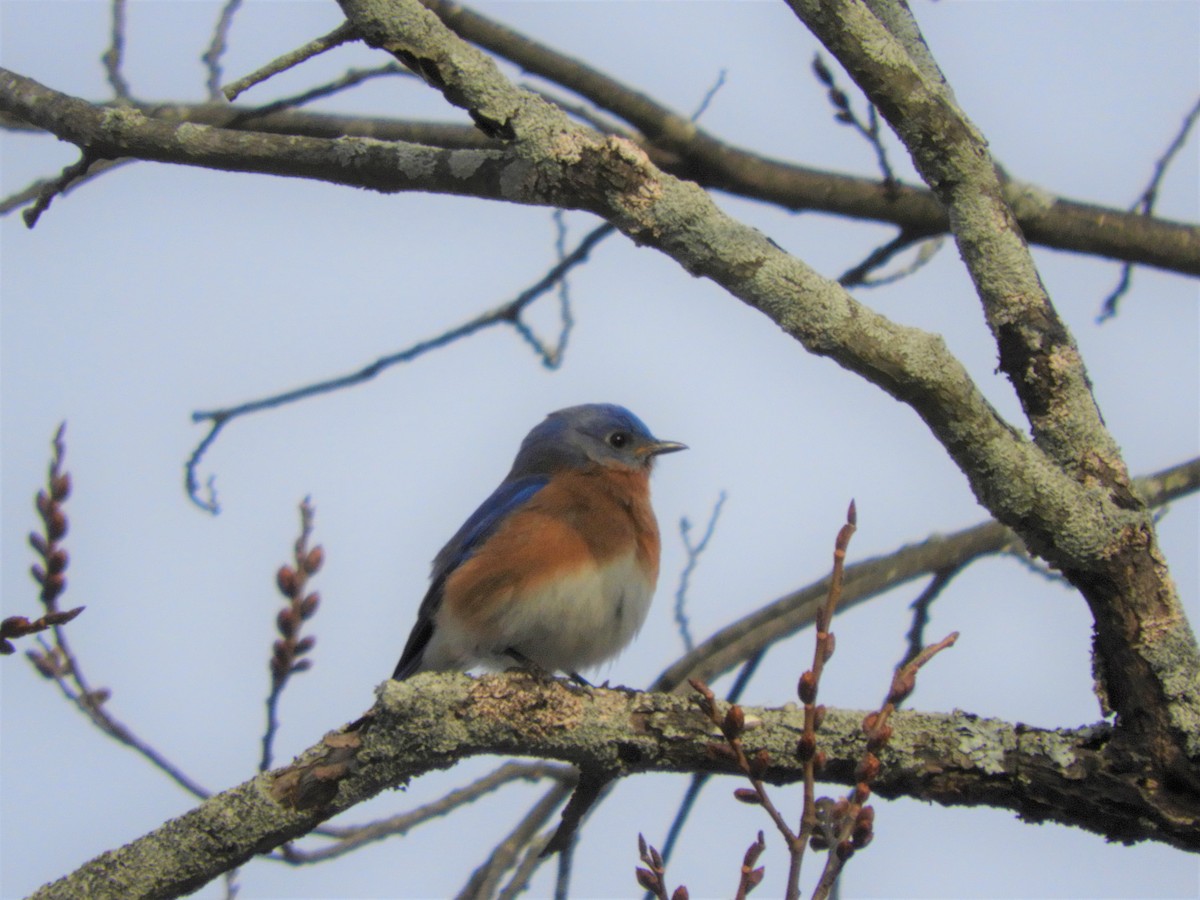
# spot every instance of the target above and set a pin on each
(1153, 684)
(729, 647)
(954, 759)
(1046, 220)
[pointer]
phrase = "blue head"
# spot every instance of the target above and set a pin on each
(595, 434)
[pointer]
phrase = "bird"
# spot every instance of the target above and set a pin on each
(556, 569)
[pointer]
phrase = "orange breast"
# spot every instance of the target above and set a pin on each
(579, 520)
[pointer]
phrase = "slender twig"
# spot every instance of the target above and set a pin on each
(589, 788)
(350, 79)
(30, 193)
(506, 314)
(340, 35)
(51, 189)
(700, 779)
(859, 275)
(1145, 205)
(552, 355)
(350, 838)
(694, 551)
(70, 680)
(562, 874)
(920, 608)
(114, 55)
(218, 45)
(845, 115)
(289, 648)
(504, 855)
(709, 95)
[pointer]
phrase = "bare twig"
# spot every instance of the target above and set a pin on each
(1145, 205)
(709, 95)
(218, 45)
(504, 855)
(113, 56)
(340, 35)
(31, 193)
(51, 189)
(845, 115)
(350, 79)
(507, 314)
(350, 838)
(552, 355)
(292, 582)
(694, 551)
(591, 785)
(859, 275)
(920, 608)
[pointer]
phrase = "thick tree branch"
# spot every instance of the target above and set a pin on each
(113, 132)
(731, 646)
(1037, 351)
(431, 722)
(1047, 220)
(1144, 645)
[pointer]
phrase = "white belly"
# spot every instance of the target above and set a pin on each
(567, 625)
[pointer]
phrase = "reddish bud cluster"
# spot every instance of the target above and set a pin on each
(752, 876)
(651, 878)
(291, 581)
(19, 626)
(50, 573)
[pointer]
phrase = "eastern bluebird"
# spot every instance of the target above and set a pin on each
(557, 567)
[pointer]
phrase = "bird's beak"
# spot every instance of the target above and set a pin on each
(659, 447)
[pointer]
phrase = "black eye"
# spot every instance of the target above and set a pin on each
(618, 439)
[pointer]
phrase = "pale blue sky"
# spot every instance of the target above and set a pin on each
(156, 290)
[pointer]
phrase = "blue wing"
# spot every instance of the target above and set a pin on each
(506, 499)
